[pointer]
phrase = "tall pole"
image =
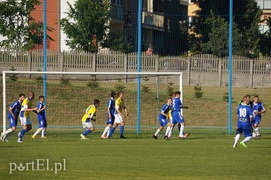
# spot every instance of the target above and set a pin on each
(139, 62)
(44, 46)
(230, 71)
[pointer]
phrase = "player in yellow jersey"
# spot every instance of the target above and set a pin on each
(89, 115)
(24, 115)
(120, 108)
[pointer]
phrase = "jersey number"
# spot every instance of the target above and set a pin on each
(242, 112)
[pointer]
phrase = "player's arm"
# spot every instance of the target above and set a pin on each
(163, 113)
(13, 115)
(126, 111)
(118, 110)
(28, 109)
(184, 107)
(108, 109)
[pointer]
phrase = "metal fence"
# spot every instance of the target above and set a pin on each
(203, 69)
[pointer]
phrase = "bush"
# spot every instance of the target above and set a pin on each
(146, 89)
(65, 81)
(198, 93)
(170, 89)
(93, 84)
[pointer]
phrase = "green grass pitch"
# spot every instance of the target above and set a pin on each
(206, 154)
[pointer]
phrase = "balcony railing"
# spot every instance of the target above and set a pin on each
(153, 19)
(117, 12)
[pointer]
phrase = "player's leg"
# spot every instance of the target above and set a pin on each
(122, 124)
(162, 123)
(115, 125)
(24, 129)
(256, 128)
(88, 129)
(169, 127)
(109, 121)
(248, 136)
(41, 127)
(12, 125)
(29, 124)
(237, 136)
(43, 135)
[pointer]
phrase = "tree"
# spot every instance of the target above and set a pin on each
(115, 41)
(18, 26)
(246, 17)
(86, 24)
(265, 43)
(218, 35)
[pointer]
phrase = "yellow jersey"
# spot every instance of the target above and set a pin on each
(27, 103)
(119, 104)
(90, 111)
(170, 114)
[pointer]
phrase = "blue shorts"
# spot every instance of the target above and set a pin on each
(256, 121)
(42, 122)
(111, 121)
(163, 122)
(13, 122)
(247, 131)
(177, 117)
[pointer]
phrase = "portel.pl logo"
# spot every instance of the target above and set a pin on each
(38, 165)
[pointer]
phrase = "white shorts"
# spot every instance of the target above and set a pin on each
(25, 121)
(118, 118)
(87, 124)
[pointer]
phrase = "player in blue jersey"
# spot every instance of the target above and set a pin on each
(89, 115)
(119, 115)
(110, 115)
(13, 114)
(176, 114)
(258, 110)
(244, 118)
(163, 120)
(24, 115)
(41, 118)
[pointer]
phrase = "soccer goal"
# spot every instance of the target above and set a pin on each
(68, 94)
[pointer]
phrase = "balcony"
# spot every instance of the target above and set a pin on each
(117, 13)
(153, 20)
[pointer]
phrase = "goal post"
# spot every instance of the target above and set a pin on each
(62, 86)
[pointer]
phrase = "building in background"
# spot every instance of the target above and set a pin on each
(265, 6)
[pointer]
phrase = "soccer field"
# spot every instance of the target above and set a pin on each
(206, 154)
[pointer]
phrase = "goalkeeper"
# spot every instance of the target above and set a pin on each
(89, 115)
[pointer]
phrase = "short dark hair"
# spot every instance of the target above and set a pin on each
(20, 95)
(113, 93)
(41, 97)
(256, 96)
(247, 95)
(96, 101)
(177, 92)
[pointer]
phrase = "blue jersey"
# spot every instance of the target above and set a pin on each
(258, 108)
(176, 104)
(16, 108)
(165, 109)
(41, 114)
(111, 106)
(244, 112)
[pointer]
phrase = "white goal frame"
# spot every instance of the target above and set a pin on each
(79, 73)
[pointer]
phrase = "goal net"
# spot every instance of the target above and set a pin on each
(68, 94)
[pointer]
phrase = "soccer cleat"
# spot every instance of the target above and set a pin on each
(33, 137)
(20, 140)
(83, 137)
(103, 137)
(153, 136)
(234, 146)
(258, 136)
(243, 144)
(165, 137)
(4, 138)
(122, 137)
(187, 134)
(43, 137)
(110, 137)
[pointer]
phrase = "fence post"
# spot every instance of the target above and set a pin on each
(220, 72)
(156, 63)
(125, 65)
(94, 62)
(29, 63)
(188, 69)
(61, 61)
(251, 72)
